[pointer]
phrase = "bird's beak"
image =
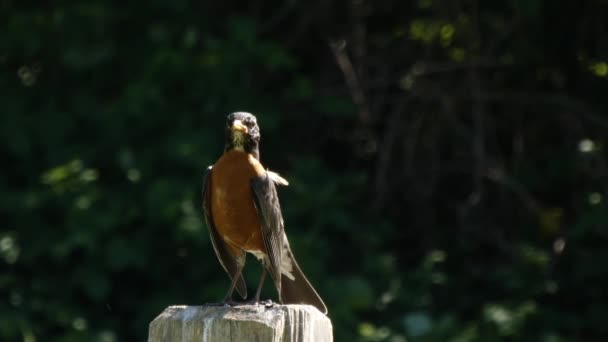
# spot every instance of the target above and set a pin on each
(238, 126)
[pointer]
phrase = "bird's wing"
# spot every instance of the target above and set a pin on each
(267, 205)
(277, 179)
(228, 262)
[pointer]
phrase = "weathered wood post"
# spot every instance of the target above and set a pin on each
(272, 323)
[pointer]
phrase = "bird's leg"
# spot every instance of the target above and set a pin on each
(256, 299)
(235, 278)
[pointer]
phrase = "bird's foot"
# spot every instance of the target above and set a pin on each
(266, 303)
(226, 302)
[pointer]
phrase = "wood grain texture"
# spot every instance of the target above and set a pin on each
(273, 323)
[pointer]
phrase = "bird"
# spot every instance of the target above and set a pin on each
(243, 215)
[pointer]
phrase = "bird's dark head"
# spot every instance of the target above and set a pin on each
(242, 133)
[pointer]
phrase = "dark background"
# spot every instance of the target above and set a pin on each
(446, 158)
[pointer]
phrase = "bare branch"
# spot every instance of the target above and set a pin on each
(352, 81)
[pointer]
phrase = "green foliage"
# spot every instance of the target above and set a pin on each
(447, 163)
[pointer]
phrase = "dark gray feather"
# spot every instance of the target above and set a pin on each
(267, 205)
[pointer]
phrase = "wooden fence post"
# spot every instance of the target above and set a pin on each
(272, 323)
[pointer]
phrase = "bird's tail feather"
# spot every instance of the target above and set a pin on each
(299, 290)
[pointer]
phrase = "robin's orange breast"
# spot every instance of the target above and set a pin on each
(232, 208)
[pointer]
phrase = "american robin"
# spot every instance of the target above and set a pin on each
(243, 214)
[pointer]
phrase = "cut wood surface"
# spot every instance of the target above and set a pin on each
(273, 323)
